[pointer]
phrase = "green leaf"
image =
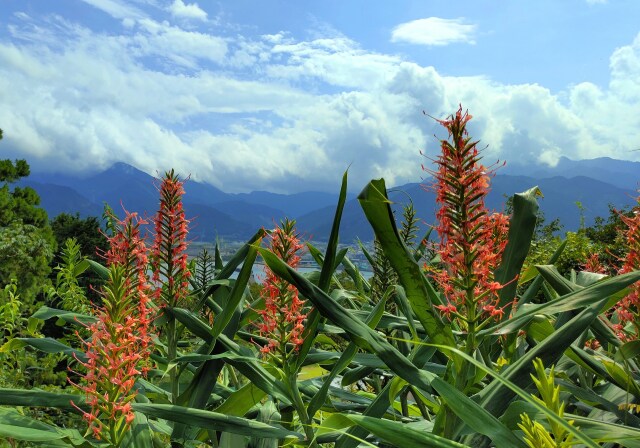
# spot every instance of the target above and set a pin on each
(328, 268)
(496, 396)
(20, 427)
(396, 433)
(140, 435)
(319, 398)
(376, 205)
(523, 394)
(213, 420)
(237, 293)
(47, 345)
(475, 416)
(622, 377)
(521, 230)
(38, 398)
(358, 331)
(240, 401)
(607, 432)
(574, 300)
(45, 313)
(100, 270)
(628, 351)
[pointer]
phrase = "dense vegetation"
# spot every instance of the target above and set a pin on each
(493, 331)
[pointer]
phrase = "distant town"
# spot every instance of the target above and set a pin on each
(229, 247)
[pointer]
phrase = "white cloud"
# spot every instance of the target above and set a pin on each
(243, 113)
(187, 11)
(182, 47)
(117, 9)
(434, 31)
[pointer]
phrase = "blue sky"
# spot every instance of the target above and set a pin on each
(285, 95)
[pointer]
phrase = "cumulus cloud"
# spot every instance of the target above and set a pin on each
(187, 11)
(246, 113)
(434, 31)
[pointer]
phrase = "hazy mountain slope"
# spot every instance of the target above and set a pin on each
(217, 213)
(56, 199)
(620, 173)
(559, 201)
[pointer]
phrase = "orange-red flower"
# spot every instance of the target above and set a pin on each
(282, 319)
(169, 257)
(119, 343)
(471, 240)
(628, 309)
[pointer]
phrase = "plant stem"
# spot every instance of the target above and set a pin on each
(299, 406)
(171, 354)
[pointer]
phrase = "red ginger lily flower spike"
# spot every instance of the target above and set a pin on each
(471, 240)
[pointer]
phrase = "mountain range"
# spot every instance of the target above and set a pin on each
(595, 183)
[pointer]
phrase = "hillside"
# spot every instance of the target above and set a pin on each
(215, 213)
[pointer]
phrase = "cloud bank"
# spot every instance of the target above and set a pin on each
(434, 31)
(246, 113)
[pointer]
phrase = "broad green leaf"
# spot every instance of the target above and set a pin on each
(39, 398)
(96, 267)
(240, 401)
(574, 300)
(203, 381)
(223, 319)
(20, 427)
(628, 351)
(239, 256)
(523, 394)
(622, 377)
(537, 283)
(268, 414)
(47, 345)
(358, 331)
(396, 433)
(376, 205)
(45, 313)
(230, 440)
(521, 230)
(623, 435)
(476, 417)
(213, 420)
(362, 284)
(140, 435)
(328, 268)
(588, 395)
(376, 409)
(319, 398)
(496, 396)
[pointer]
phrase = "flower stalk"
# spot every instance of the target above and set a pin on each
(627, 309)
(282, 319)
(471, 245)
(118, 348)
(169, 262)
(471, 240)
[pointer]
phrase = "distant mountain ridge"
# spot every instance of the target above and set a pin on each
(620, 173)
(215, 213)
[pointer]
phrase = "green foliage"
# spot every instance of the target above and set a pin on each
(362, 376)
(91, 244)
(67, 289)
(26, 241)
(20, 367)
(536, 435)
(384, 276)
(85, 231)
(25, 253)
